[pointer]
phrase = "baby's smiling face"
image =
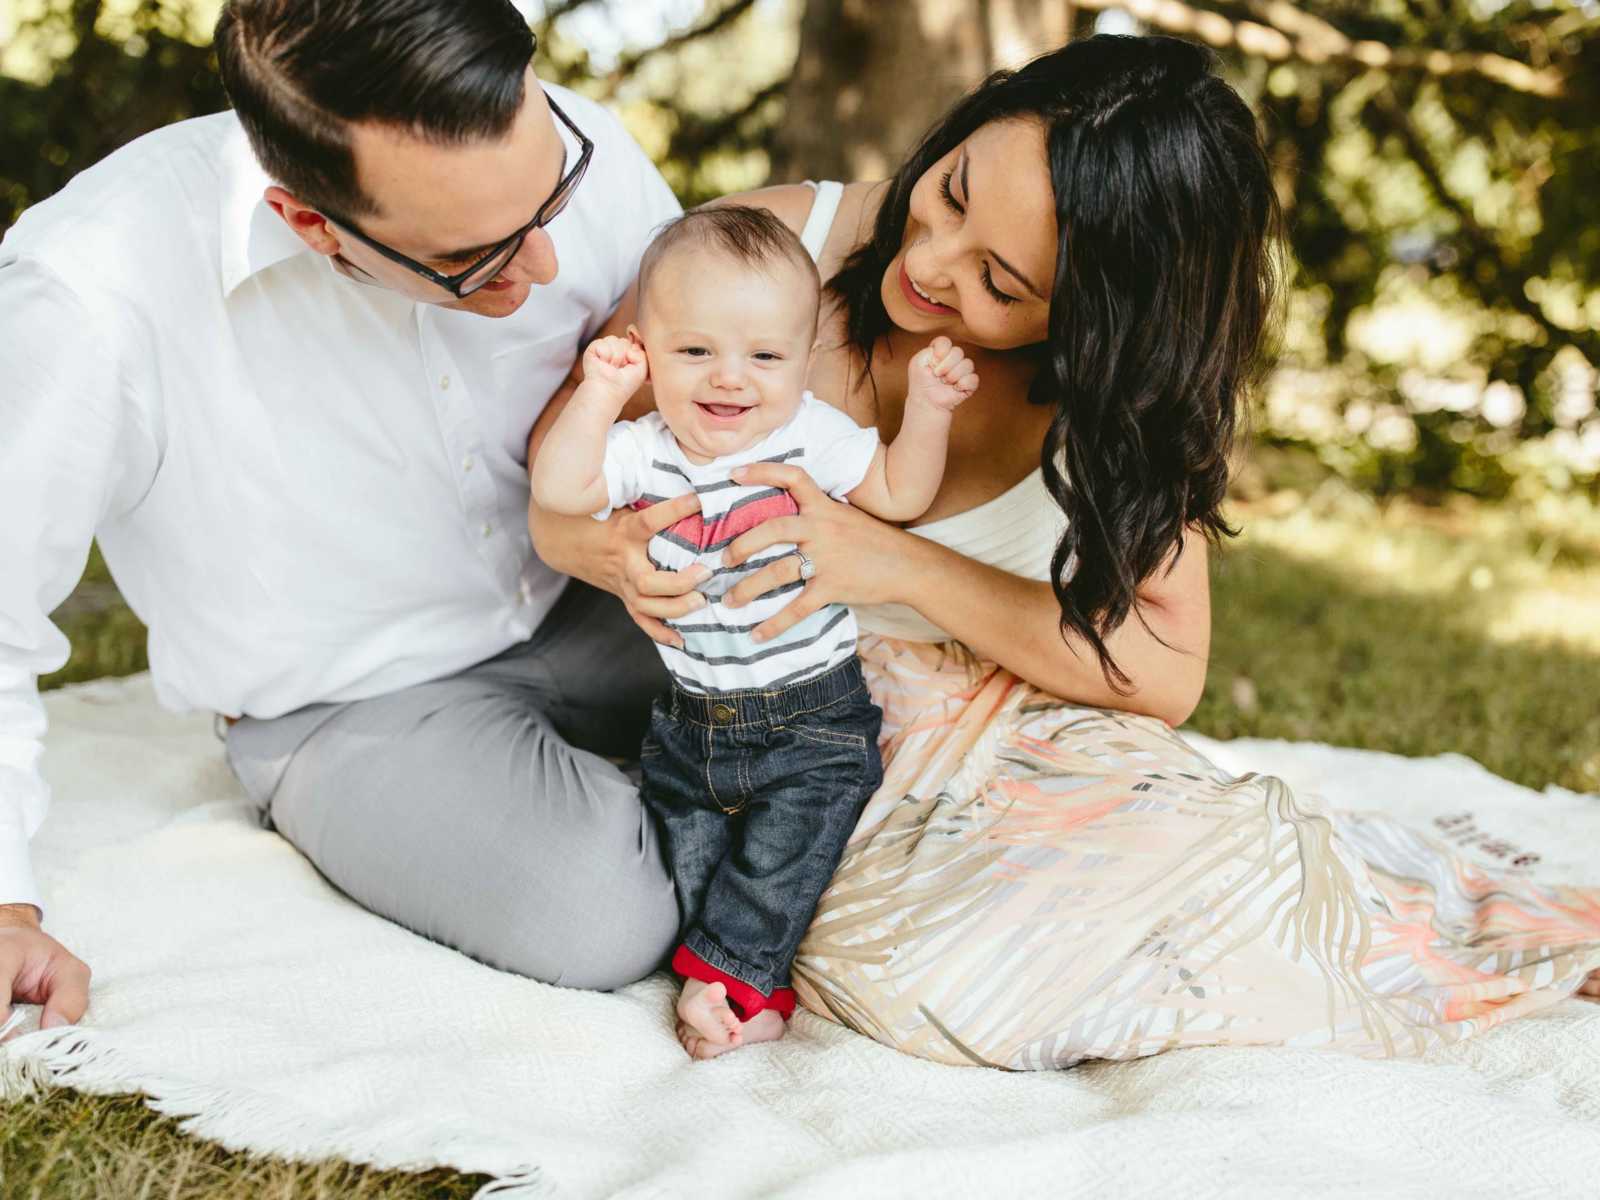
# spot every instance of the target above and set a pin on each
(729, 345)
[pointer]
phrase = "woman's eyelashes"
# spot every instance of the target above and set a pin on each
(949, 196)
(955, 206)
(988, 283)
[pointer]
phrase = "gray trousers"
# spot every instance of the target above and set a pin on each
(477, 810)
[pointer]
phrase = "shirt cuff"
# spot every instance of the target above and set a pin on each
(17, 884)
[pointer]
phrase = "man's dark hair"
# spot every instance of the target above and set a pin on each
(300, 72)
(750, 235)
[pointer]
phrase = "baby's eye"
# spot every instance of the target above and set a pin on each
(694, 351)
(768, 356)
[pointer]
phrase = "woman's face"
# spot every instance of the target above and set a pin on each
(979, 254)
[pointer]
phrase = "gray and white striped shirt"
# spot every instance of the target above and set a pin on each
(645, 465)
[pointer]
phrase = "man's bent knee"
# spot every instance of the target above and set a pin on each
(606, 937)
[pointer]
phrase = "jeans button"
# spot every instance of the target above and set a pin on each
(722, 714)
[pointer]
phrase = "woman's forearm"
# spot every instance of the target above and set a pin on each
(1015, 622)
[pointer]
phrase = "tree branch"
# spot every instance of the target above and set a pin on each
(553, 12)
(1288, 33)
(629, 63)
(694, 136)
(1511, 279)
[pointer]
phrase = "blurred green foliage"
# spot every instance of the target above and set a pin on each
(1438, 160)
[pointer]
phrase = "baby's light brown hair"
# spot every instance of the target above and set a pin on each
(749, 235)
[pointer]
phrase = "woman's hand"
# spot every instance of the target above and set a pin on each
(855, 555)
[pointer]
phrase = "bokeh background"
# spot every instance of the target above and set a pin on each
(1420, 569)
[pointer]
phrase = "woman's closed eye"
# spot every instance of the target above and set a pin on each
(988, 284)
(956, 207)
(950, 200)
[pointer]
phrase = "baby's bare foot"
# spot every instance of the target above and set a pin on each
(765, 1026)
(706, 1024)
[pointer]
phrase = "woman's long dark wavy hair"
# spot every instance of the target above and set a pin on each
(1165, 283)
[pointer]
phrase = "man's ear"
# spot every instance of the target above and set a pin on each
(310, 226)
(633, 336)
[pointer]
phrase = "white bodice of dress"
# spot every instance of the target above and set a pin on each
(1017, 531)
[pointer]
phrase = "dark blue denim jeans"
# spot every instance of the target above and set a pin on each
(757, 793)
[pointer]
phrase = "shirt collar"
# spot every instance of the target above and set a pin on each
(253, 236)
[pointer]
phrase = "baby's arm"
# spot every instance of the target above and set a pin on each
(903, 479)
(569, 474)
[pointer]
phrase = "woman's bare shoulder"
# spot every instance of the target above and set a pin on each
(789, 202)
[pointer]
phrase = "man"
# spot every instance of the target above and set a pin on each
(253, 354)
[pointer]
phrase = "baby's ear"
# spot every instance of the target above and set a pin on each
(633, 336)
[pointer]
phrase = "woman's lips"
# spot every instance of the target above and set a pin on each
(916, 301)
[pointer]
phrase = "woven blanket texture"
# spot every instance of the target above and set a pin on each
(239, 991)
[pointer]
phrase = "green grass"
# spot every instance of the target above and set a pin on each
(107, 639)
(1402, 627)
(1415, 630)
(61, 1145)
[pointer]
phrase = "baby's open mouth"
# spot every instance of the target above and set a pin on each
(725, 412)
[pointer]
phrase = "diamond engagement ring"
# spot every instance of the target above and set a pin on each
(807, 567)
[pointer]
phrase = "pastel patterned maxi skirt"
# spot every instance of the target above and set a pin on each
(1036, 884)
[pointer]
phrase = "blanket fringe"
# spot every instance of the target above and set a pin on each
(238, 1120)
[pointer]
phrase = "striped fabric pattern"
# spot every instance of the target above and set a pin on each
(1036, 884)
(645, 465)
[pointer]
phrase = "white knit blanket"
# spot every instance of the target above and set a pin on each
(238, 990)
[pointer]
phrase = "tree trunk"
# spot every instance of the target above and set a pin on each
(873, 75)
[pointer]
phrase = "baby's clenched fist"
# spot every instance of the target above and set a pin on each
(941, 376)
(615, 364)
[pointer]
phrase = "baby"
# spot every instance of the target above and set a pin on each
(759, 759)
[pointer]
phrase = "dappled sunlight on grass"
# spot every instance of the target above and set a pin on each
(1508, 572)
(1410, 630)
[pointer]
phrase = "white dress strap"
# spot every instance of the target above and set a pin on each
(823, 208)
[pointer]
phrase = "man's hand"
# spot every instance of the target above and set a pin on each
(37, 969)
(652, 596)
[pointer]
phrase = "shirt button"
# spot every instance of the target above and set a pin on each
(722, 714)
(525, 592)
(444, 384)
(488, 529)
(466, 463)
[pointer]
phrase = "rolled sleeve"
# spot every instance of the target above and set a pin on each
(840, 450)
(630, 448)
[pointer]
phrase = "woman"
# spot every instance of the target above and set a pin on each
(1048, 872)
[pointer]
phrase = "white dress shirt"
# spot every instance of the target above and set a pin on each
(308, 489)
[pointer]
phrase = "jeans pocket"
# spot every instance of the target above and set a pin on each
(822, 735)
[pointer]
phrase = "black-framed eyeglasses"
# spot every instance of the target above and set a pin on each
(464, 283)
